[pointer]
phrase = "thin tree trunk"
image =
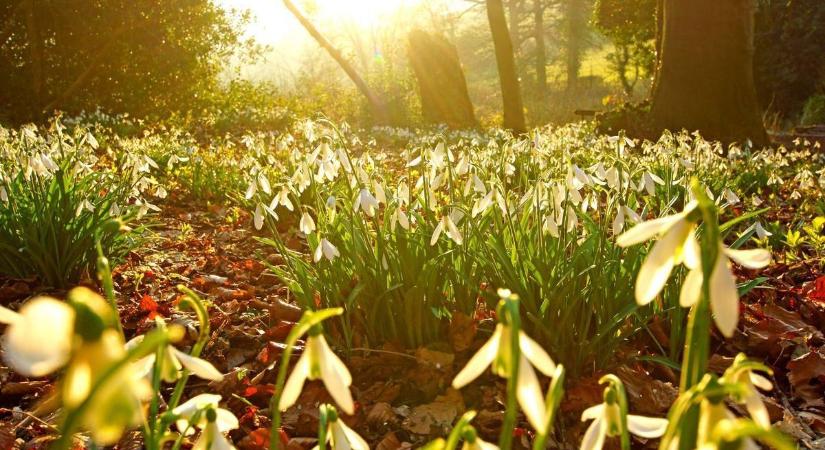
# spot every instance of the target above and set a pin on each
(541, 49)
(510, 89)
(378, 107)
(705, 78)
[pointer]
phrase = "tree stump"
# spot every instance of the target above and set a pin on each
(441, 82)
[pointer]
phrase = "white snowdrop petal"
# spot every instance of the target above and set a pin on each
(593, 412)
(659, 263)
(199, 367)
(355, 440)
(295, 383)
(529, 396)
(480, 361)
(536, 355)
(646, 427)
(760, 381)
(646, 230)
(724, 297)
(594, 436)
(691, 289)
(751, 259)
(38, 339)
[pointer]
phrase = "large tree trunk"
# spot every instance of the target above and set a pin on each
(379, 109)
(510, 89)
(705, 79)
(442, 86)
(575, 26)
(541, 49)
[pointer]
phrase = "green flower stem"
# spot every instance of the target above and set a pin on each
(104, 273)
(510, 313)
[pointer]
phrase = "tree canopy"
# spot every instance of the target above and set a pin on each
(122, 56)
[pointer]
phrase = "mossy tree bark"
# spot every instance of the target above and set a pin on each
(704, 80)
(510, 88)
(441, 81)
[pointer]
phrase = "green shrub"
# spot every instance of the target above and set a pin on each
(814, 111)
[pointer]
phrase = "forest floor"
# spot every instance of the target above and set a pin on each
(403, 397)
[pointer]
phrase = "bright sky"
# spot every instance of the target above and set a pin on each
(273, 24)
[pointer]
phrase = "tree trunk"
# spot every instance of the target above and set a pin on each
(541, 49)
(510, 89)
(575, 25)
(379, 109)
(442, 86)
(705, 78)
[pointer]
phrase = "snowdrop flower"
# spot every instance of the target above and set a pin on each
(85, 204)
(399, 217)
(607, 422)
(327, 250)
(341, 437)
(194, 414)
(175, 159)
(623, 212)
(4, 195)
(282, 198)
(677, 244)
(318, 361)
(39, 337)
(173, 361)
(260, 214)
(711, 415)
(483, 203)
(649, 182)
(447, 226)
(212, 438)
(307, 225)
(264, 182)
(380, 195)
(747, 377)
(730, 196)
(366, 201)
(496, 353)
(724, 295)
(761, 232)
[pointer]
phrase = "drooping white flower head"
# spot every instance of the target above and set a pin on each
(366, 201)
(607, 422)
(318, 361)
(39, 337)
(307, 224)
(193, 414)
(327, 250)
(724, 294)
(173, 362)
(341, 437)
(496, 353)
(678, 244)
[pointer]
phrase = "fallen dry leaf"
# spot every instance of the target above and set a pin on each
(802, 372)
(437, 417)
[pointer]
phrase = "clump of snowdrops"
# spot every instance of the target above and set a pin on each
(59, 192)
(404, 242)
